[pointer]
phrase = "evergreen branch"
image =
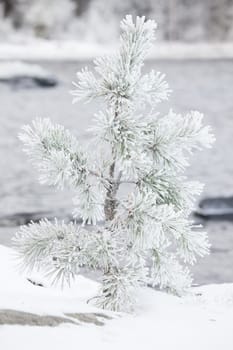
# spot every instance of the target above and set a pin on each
(55, 153)
(152, 89)
(167, 273)
(55, 248)
(87, 87)
(117, 292)
(173, 137)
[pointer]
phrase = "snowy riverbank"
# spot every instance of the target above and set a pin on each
(38, 49)
(202, 320)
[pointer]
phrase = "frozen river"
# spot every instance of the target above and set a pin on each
(203, 85)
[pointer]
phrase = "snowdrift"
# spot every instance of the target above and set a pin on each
(200, 320)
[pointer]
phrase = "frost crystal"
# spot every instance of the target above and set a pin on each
(135, 202)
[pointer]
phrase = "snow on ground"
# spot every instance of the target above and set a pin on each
(39, 49)
(200, 321)
(17, 69)
(36, 49)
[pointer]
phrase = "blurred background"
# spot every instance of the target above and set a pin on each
(183, 20)
(43, 43)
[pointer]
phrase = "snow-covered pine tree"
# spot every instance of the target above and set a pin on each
(134, 200)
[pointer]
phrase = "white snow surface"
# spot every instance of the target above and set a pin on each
(201, 320)
(70, 50)
(15, 69)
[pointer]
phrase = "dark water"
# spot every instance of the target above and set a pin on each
(202, 85)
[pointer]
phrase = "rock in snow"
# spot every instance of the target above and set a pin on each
(218, 208)
(24, 218)
(202, 320)
(25, 75)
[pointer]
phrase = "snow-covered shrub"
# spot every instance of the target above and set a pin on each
(138, 235)
(47, 17)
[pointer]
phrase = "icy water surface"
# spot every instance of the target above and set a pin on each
(202, 85)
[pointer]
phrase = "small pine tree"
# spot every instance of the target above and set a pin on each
(134, 200)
